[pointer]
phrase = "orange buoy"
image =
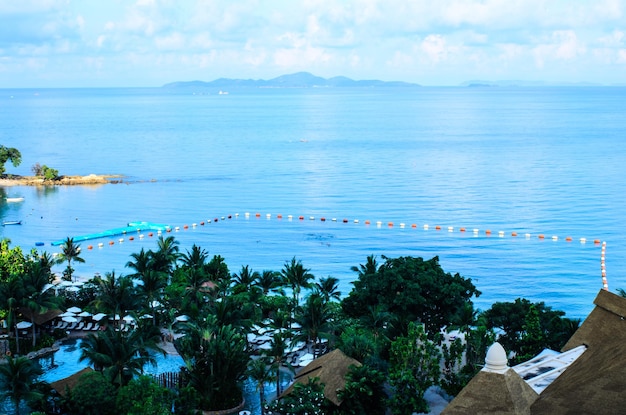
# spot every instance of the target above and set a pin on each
(258, 215)
(390, 224)
(541, 236)
(279, 216)
(132, 238)
(414, 226)
(462, 230)
(301, 217)
(345, 221)
(111, 243)
(90, 247)
(438, 227)
(151, 234)
(596, 241)
(488, 232)
(513, 233)
(568, 239)
(323, 219)
(367, 222)
(215, 220)
(201, 223)
(185, 227)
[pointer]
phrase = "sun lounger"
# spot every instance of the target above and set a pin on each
(71, 326)
(79, 326)
(95, 327)
(88, 326)
(63, 325)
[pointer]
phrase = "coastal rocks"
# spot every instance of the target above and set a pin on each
(91, 179)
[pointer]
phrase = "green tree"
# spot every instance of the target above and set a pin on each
(414, 368)
(277, 355)
(143, 396)
(11, 297)
(116, 295)
(69, 252)
(18, 377)
(12, 260)
(296, 277)
(37, 298)
(364, 392)
(121, 355)
(217, 359)
(327, 288)
(165, 257)
(412, 289)
(9, 153)
(315, 321)
(93, 394)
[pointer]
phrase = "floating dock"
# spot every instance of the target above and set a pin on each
(132, 227)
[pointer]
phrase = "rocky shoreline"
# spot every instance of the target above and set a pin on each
(92, 179)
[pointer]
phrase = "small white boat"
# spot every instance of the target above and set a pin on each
(14, 199)
(11, 222)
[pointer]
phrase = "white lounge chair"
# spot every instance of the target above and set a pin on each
(80, 326)
(95, 327)
(88, 326)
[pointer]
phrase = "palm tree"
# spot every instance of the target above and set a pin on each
(120, 355)
(260, 371)
(11, 296)
(140, 263)
(245, 279)
(69, 252)
(18, 377)
(269, 281)
(297, 277)
(314, 319)
(165, 257)
(152, 285)
(36, 298)
(277, 355)
(371, 267)
(217, 358)
(196, 258)
(115, 295)
(328, 288)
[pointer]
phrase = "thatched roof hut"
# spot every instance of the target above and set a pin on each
(39, 318)
(593, 383)
(596, 381)
(331, 370)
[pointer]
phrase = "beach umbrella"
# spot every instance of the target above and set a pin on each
(74, 309)
(182, 318)
(72, 289)
(146, 316)
(70, 319)
(98, 317)
(23, 325)
(84, 314)
(129, 318)
(67, 314)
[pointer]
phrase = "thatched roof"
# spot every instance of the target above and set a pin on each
(69, 382)
(596, 381)
(40, 318)
(331, 370)
(493, 393)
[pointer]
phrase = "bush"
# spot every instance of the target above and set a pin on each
(143, 396)
(93, 395)
(48, 173)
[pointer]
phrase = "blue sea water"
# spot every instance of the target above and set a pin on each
(547, 161)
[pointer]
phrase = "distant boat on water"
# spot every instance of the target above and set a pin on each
(11, 222)
(14, 199)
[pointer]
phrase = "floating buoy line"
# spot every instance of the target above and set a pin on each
(476, 232)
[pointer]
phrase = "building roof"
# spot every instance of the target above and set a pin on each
(331, 370)
(587, 378)
(496, 389)
(40, 318)
(596, 381)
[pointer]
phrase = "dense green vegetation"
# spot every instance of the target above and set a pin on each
(392, 321)
(9, 154)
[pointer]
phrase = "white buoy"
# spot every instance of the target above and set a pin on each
(527, 236)
(450, 228)
(379, 223)
(141, 236)
(555, 238)
(356, 221)
(501, 234)
(268, 215)
(177, 228)
(401, 225)
(425, 227)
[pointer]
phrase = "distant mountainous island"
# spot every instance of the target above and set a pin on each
(296, 80)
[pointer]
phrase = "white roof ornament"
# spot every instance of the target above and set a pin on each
(496, 360)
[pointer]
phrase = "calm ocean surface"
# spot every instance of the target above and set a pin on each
(545, 161)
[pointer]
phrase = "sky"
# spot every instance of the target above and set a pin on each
(145, 43)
